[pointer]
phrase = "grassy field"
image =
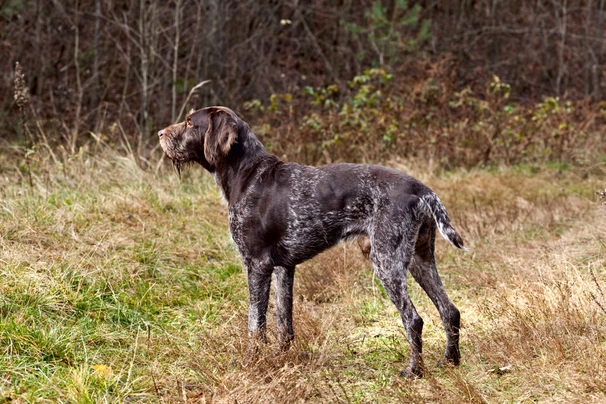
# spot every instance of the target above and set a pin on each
(122, 285)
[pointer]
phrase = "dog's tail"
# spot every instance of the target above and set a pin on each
(438, 211)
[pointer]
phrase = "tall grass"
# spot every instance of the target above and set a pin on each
(121, 285)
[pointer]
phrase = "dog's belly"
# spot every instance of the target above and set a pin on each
(308, 241)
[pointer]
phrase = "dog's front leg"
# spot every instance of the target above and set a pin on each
(284, 281)
(259, 280)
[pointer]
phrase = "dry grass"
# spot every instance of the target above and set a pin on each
(102, 263)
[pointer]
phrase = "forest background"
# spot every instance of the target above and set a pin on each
(461, 82)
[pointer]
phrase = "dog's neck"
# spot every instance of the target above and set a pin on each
(246, 161)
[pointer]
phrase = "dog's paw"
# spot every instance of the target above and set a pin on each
(252, 352)
(284, 343)
(412, 373)
(446, 362)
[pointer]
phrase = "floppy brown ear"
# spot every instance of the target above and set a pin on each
(222, 133)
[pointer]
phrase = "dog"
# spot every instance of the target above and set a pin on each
(282, 214)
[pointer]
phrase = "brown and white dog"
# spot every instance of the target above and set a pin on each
(281, 214)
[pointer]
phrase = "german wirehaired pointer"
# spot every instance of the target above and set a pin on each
(281, 214)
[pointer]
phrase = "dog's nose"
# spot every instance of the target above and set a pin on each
(161, 133)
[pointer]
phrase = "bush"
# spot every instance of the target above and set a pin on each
(382, 115)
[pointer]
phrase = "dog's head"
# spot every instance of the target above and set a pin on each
(206, 136)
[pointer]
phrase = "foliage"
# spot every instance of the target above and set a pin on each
(375, 117)
(390, 36)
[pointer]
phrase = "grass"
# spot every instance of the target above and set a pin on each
(122, 285)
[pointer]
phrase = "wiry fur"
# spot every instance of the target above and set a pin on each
(281, 214)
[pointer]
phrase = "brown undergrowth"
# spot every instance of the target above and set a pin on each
(121, 285)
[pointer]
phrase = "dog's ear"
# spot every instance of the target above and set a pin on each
(222, 133)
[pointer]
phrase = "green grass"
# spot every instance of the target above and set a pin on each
(104, 267)
(121, 285)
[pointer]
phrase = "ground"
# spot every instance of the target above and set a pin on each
(121, 284)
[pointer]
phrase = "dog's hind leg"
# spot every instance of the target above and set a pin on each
(391, 255)
(283, 282)
(424, 270)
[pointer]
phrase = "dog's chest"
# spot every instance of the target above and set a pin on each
(237, 226)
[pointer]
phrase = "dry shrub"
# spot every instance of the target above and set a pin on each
(419, 112)
(552, 329)
(539, 325)
(230, 373)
